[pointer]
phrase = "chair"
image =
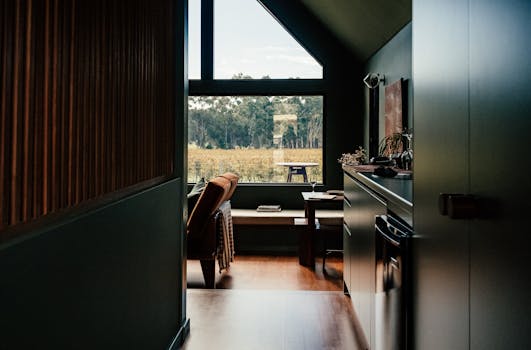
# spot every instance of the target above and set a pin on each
(202, 227)
(226, 247)
(204, 224)
(233, 178)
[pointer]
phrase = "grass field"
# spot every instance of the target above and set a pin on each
(252, 165)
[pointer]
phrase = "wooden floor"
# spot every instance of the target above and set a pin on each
(271, 303)
(273, 272)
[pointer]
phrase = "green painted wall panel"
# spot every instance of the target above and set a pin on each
(106, 279)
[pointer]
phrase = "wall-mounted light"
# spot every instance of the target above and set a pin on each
(372, 80)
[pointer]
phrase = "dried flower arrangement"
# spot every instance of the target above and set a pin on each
(395, 144)
(357, 158)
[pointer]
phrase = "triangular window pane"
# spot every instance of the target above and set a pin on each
(250, 43)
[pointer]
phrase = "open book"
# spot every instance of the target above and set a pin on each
(321, 195)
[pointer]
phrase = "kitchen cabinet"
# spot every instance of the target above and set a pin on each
(361, 207)
(347, 244)
(472, 103)
(366, 197)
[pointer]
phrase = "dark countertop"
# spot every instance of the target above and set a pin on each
(397, 191)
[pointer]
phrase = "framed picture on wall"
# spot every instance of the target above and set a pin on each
(395, 107)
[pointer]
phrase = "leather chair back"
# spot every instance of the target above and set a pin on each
(213, 195)
(233, 178)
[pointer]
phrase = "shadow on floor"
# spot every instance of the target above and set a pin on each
(273, 272)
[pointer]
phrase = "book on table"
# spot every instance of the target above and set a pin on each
(269, 208)
(320, 195)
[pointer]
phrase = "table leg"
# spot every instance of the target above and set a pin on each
(306, 240)
(297, 170)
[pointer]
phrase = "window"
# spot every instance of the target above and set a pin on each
(258, 99)
(194, 39)
(249, 42)
(250, 135)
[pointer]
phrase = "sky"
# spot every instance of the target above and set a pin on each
(248, 40)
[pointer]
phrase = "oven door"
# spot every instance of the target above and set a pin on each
(391, 304)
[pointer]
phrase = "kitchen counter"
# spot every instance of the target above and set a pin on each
(396, 191)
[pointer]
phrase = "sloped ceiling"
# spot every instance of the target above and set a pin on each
(363, 26)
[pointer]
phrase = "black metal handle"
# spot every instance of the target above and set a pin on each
(394, 263)
(458, 205)
(382, 228)
(345, 227)
(347, 201)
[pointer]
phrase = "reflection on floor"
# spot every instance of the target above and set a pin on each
(272, 272)
(271, 303)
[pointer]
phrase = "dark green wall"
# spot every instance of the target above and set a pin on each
(394, 61)
(344, 114)
(106, 279)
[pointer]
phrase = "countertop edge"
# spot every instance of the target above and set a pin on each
(395, 202)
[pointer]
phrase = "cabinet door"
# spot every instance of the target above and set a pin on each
(347, 238)
(349, 217)
(500, 123)
(368, 205)
(472, 104)
(364, 206)
(440, 268)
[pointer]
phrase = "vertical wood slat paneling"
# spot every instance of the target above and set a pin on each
(15, 158)
(71, 96)
(28, 126)
(37, 98)
(46, 111)
(87, 103)
(4, 198)
(54, 188)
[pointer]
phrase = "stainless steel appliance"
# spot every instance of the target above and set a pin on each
(392, 298)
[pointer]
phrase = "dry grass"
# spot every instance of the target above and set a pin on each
(252, 165)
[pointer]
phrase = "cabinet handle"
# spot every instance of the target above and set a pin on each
(458, 206)
(347, 229)
(347, 201)
(394, 263)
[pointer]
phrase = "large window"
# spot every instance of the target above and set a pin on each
(256, 96)
(255, 136)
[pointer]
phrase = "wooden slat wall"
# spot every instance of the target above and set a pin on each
(87, 105)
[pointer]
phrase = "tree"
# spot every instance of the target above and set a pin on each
(289, 138)
(258, 113)
(198, 125)
(310, 120)
(247, 121)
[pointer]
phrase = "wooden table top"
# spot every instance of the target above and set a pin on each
(321, 196)
(297, 164)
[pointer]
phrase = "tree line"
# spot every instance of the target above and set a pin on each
(229, 122)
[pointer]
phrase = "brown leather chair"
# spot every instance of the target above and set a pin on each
(233, 178)
(202, 227)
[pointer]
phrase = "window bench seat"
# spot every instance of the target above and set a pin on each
(285, 217)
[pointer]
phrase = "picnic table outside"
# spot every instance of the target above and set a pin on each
(297, 168)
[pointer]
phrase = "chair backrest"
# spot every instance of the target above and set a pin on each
(213, 195)
(233, 178)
